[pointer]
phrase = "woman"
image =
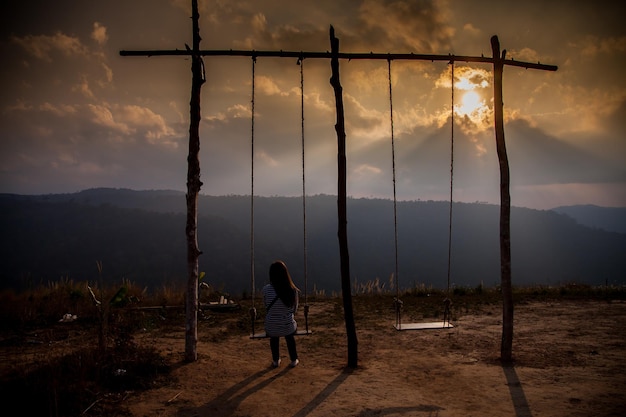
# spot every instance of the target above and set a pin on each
(280, 297)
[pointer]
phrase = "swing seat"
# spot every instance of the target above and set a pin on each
(263, 335)
(423, 326)
(220, 306)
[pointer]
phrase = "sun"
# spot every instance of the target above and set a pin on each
(471, 103)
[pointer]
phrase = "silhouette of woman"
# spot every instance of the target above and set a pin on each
(280, 298)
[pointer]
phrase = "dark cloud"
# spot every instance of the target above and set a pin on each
(404, 26)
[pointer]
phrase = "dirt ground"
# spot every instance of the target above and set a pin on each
(570, 360)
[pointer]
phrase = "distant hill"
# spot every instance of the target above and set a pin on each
(611, 219)
(140, 236)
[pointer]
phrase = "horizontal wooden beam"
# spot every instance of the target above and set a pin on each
(340, 55)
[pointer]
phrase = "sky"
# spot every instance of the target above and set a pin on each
(74, 114)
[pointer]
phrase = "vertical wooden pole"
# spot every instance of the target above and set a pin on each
(193, 188)
(341, 206)
(506, 347)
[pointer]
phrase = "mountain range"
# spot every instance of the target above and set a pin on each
(140, 236)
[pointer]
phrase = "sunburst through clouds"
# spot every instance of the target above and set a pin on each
(472, 92)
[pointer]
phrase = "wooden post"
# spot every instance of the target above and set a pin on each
(193, 188)
(342, 232)
(506, 347)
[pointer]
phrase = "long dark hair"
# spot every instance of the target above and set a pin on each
(282, 283)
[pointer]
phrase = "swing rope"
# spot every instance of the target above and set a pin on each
(304, 233)
(447, 301)
(451, 175)
(253, 313)
(397, 302)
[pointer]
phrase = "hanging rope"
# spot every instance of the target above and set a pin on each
(304, 233)
(253, 314)
(451, 175)
(397, 302)
(447, 301)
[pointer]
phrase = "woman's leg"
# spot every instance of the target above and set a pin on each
(274, 346)
(291, 346)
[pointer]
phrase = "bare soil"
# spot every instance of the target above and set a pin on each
(570, 360)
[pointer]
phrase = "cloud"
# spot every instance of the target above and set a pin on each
(524, 54)
(368, 81)
(145, 121)
(363, 172)
(472, 30)
(134, 122)
(108, 72)
(367, 123)
(42, 46)
(583, 109)
(266, 159)
(102, 115)
(465, 78)
(267, 86)
(259, 22)
(286, 37)
(83, 88)
(239, 111)
(59, 110)
(591, 46)
(67, 62)
(99, 33)
(19, 106)
(417, 26)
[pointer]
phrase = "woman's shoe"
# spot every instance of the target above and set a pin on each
(295, 363)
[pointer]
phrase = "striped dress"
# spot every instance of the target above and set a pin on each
(279, 320)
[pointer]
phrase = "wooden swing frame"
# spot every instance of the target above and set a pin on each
(498, 60)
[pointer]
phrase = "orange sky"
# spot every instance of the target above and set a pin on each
(76, 115)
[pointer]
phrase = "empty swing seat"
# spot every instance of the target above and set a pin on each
(263, 335)
(424, 326)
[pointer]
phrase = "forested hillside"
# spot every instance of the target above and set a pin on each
(606, 218)
(140, 236)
